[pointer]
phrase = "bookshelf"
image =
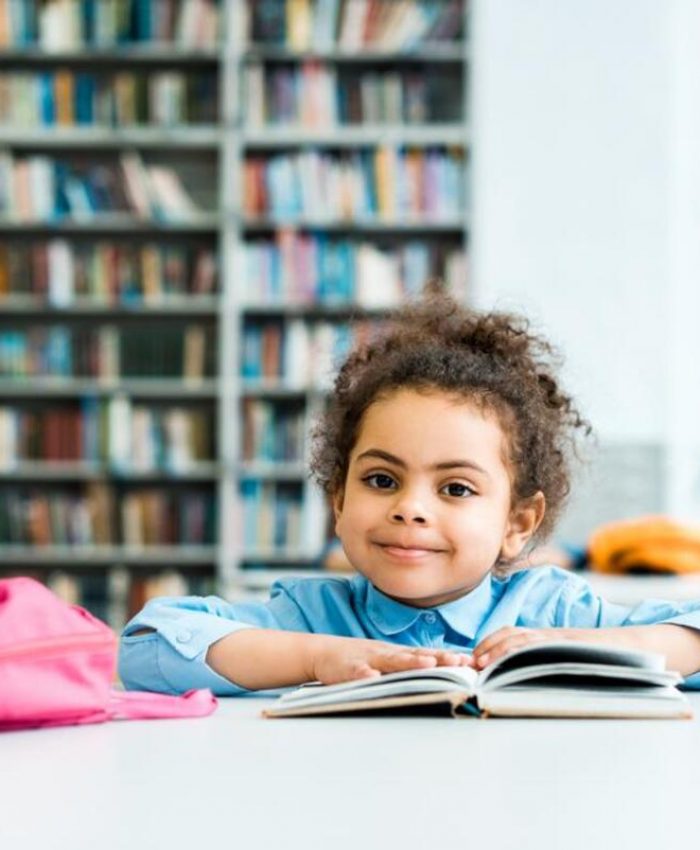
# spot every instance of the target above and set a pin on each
(162, 353)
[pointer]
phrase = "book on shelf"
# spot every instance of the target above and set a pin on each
(169, 582)
(272, 432)
(106, 352)
(154, 516)
(92, 590)
(317, 96)
(117, 594)
(271, 515)
(47, 189)
(57, 517)
(355, 24)
(143, 438)
(50, 434)
(312, 268)
(387, 183)
(310, 350)
(59, 272)
(104, 228)
(61, 25)
(31, 100)
(553, 679)
(280, 516)
(56, 351)
(160, 351)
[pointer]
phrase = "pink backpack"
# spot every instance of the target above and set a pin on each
(57, 665)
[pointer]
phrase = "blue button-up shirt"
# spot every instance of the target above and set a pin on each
(172, 659)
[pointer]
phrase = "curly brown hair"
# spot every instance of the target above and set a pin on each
(491, 359)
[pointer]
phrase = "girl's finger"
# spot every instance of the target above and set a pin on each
(453, 659)
(507, 646)
(360, 670)
(444, 657)
(488, 643)
(389, 662)
(449, 657)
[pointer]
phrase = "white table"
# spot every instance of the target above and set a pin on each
(237, 780)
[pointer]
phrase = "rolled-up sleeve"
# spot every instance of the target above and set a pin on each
(172, 658)
(579, 607)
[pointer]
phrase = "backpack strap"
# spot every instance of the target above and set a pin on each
(145, 705)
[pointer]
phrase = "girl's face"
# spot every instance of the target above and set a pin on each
(426, 508)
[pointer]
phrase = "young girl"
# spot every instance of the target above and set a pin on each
(445, 453)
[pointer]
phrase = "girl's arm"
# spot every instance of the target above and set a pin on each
(259, 659)
(680, 644)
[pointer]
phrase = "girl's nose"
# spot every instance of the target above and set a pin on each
(408, 509)
(402, 518)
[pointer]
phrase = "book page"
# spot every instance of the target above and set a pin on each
(575, 675)
(575, 652)
(423, 680)
(545, 702)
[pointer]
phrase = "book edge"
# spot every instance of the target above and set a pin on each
(452, 698)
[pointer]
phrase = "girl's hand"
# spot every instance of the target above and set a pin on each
(344, 659)
(509, 638)
(679, 644)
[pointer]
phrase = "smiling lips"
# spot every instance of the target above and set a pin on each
(406, 553)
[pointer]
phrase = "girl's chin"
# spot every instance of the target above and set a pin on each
(417, 597)
(419, 594)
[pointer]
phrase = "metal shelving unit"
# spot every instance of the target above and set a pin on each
(230, 141)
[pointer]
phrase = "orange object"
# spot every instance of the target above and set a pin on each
(645, 544)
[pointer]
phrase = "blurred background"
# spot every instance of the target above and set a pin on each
(203, 203)
(586, 218)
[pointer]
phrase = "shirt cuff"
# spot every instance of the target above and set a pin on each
(178, 655)
(183, 673)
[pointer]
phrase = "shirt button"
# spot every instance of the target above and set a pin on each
(183, 636)
(430, 617)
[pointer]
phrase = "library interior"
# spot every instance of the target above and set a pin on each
(190, 244)
(205, 207)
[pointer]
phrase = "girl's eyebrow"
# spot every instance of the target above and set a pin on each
(446, 464)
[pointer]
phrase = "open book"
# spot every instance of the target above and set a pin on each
(557, 679)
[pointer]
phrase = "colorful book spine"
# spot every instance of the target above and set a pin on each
(40, 188)
(117, 594)
(388, 184)
(308, 268)
(297, 353)
(60, 272)
(314, 95)
(50, 434)
(168, 517)
(134, 351)
(272, 515)
(69, 24)
(143, 438)
(272, 433)
(397, 25)
(149, 516)
(30, 516)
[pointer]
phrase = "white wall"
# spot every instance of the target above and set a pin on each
(582, 213)
(683, 428)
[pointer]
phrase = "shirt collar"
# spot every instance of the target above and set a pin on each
(388, 615)
(466, 614)
(463, 615)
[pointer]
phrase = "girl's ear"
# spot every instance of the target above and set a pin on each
(523, 522)
(337, 501)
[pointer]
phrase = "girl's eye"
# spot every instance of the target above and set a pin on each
(379, 481)
(457, 490)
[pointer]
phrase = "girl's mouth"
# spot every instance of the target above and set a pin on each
(406, 553)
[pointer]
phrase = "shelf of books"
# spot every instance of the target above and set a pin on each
(202, 204)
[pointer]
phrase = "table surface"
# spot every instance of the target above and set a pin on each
(236, 779)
